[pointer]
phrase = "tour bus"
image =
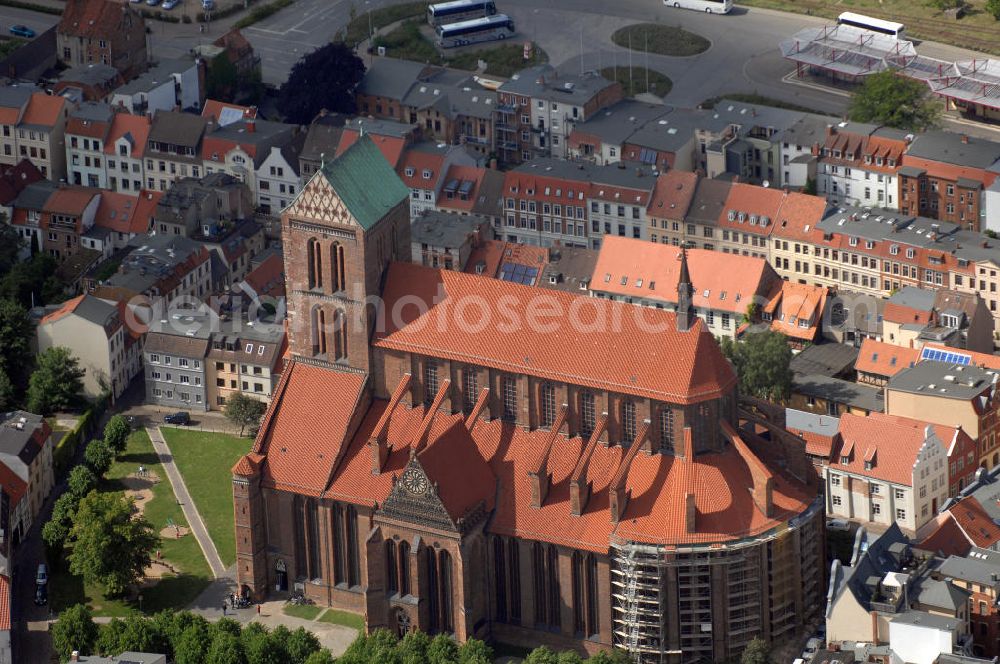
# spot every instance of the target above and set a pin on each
(707, 6)
(459, 10)
(874, 24)
(498, 26)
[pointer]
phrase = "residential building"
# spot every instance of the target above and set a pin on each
(124, 150)
(896, 469)
(794, 310)
(557, 101)
(97, 333)
(26, 451)
(668, 208)
(950, 393)
(120, 218)
(322, 139)
(59, 216)
(914, 316)
(669, 142)
(821, 434)
(234, 247)
(202, 207)
(945, 175)
(102, 32)
(245, 358)
(977, 574)
(700, 225)
(816, 393)
(879, 361)
(801, 146)
(744, 140)
(173, 149)
(91, 82)
(87, 131)
(423, 167)
(266, 278)
(967, 520)
(278, 177)
(240, 53)
(41, 134)
(168, 85)
(858, 165)
(446, 240)
(240, 148)
(174, 362)
(571, 495)
(472, 190)
(13, 181)
(602, 137)
(159, 266)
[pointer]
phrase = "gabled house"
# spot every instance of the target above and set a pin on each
(202, 207)
(173, 148)
(915, 316)
(26, 450)
(124, 150)
(87, 131)
(102, 32)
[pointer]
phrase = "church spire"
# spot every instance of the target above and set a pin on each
(685, 316)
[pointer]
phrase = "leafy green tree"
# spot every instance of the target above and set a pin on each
(756, 652)
(7, 392)
(192, 646)
(320, 657)
(442, 650)
(227, 625)
(541, 655)
(82, 481)
(888, 99)
(762, 362)
(56, 530)
(225, 649)
(110, 546)
(613, 657)
(16, 332)
(300, 644)
(993, 8)
(244, 411)
(222, 79)
(116, 433)
(110, 636)
(139, 635)
(262, 649)
(569, 657)
(75, 630)
(413, 648)
(33, 282)
(11, 244)
(279, 638)
(98, 456)
(810, 187)
(323, 79)
(56, 382)
(475, 651)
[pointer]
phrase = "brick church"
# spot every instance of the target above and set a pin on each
(454, 453)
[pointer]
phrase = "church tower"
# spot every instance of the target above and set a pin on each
(685, 293)
(340, 233)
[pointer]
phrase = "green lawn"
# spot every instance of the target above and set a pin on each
(183, 554)
(335, 617)
(356, 30)
(206, 459)
(639, 80)
(303, 611)
(660, 39)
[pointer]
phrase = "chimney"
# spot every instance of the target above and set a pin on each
(830, 130)
(965, 138)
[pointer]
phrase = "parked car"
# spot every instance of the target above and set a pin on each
(42, 576)
(181, 418)
(152, 3)
(842, 525)
(170, 4)
(22, 31)
(41, 595)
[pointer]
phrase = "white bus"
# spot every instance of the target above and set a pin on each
(707, 6)
(874, 24)
(459, 10)
(498, 26)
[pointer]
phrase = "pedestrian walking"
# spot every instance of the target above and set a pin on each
(258, 610)
(223, 608)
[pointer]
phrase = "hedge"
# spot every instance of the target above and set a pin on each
(62, 456)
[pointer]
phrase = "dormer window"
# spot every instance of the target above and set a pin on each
(845, 459)
(409, 171)
(426, 174)
(853, 241)
(732, 215)
(868, 159)
(879, 161)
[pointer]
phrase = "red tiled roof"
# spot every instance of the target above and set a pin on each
(672, 195)
(946, 171)
(489, 253)
(82, 127)
(975, 522)
(93, 18)
(816, 444)
(248, 464)
(68, 307)
(136, 125)
(268, 278)
(43, 110)
(120, 213)
(418, 161)
(793, 303)
(613, 346)
(71, 200)
(751, 200)
(15, 487)
(898, 313)
(391, 147)
(213, 108)
(945, 537)
(4, 603)
(14, 179)
(884, 359)
(473, 174)
(897, 439)
(725, 282)
(302, 435)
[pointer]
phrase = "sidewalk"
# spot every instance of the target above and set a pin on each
(194, 520)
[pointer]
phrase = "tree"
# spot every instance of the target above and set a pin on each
(810, 187)
(33, 282)
(82, 481)
(475, 651)
(56, 382)
(762, 362)
(111, 547)
(300, 645)
(569, 657)
(320, 657)
(56, 530)
(323, 79)
(116, 433)
(413, 648)
(993, 8)
(541, 655)
(261, 649)
(6, 391)
(11, 244)
(756, 652)
(887, 99)
(192, 646)
(75, 630)
(98, 456)
(16, 332)
(222, 79)
(613, 657)
(442, 650)
(225, 649)
(244, 411)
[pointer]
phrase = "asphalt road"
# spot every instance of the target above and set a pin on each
(36, 21)
(576, 34)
